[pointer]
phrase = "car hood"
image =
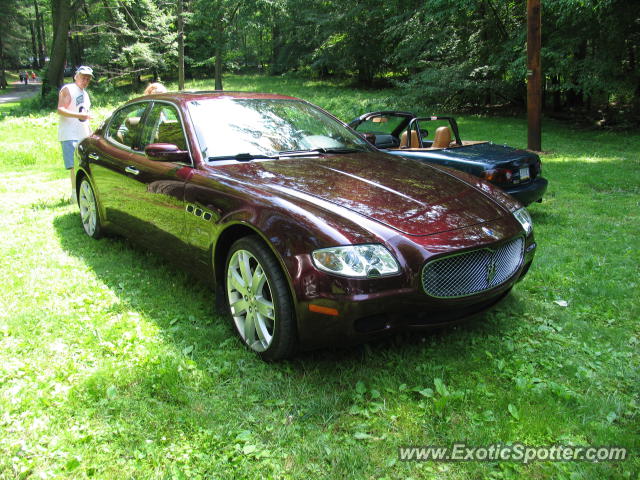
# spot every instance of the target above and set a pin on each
(411, 197)
(488, 153)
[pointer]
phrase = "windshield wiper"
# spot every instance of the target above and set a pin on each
(289, 153)
(341, 150)
(244, 157)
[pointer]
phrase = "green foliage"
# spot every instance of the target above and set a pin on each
(127, 37)
(444, 53)
(474, 52)
(14, 37)
(592, 50)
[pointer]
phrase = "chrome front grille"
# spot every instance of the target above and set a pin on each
(472, 272)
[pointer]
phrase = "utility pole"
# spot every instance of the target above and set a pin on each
(534, 76)
(180, 46)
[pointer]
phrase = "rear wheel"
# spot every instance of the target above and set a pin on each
(89, 210)
(259, 300)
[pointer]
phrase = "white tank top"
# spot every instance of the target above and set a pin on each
(73, 128)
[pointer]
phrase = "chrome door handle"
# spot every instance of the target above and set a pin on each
(94, 156)
(132, 170)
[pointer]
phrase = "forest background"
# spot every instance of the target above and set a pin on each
(462, 54)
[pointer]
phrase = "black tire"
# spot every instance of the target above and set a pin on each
(89, 211)
(261, 309)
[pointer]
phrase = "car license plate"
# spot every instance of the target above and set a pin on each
(524, 174)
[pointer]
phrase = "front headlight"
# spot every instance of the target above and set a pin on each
(356, 261)
(522, 215)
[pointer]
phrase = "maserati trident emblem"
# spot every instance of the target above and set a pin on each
(491, 271)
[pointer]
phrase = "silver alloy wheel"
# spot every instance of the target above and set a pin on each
(251, 301)
(88, 209)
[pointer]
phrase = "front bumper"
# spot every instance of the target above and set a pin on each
(529, 193)
(366, 313)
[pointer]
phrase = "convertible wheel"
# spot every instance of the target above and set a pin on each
(259, 299)
(89, 210)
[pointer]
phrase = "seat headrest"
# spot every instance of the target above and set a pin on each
(132, 121)
(442, 137)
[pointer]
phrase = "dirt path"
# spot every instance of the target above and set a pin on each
(20, 92)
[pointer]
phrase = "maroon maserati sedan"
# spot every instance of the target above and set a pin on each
(309, 234)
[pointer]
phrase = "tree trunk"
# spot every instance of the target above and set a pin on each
(218, 72)
(76, 48)
(180, 47)
(226, 18)
(218, 52)
(635, 101)
(276, 43)
(39, 37)
(534, 76)
(43, 35)
(365, 74)
(60, 18)
(557, 99)
(3, 80)
(34, 50)
(575, 96)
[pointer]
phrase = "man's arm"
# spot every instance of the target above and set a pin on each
(64, 101)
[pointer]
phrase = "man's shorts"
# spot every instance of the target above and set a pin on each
(68, 149)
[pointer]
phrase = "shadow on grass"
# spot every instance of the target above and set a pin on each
(180, 295)
(546, 217)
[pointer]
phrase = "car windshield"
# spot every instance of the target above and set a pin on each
(254, 128)
(382, 124)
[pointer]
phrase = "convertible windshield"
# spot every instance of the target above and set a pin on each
(257, 128)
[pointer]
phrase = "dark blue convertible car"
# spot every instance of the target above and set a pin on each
(517, 172)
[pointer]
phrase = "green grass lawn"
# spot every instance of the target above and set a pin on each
(114, 365)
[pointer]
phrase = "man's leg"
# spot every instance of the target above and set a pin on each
(73, 185)
(68, 151)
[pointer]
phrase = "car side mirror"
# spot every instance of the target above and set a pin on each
(166, 152)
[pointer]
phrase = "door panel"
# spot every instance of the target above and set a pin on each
(153, 200)
(154, 189)
(107, 170)
(114, 153)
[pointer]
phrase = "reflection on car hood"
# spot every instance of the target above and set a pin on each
(408, 196)
(482, 152)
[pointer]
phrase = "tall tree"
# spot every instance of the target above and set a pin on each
(60, 19)
(40, 36)
(213, 41)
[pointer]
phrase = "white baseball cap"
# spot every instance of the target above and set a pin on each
(85, 70)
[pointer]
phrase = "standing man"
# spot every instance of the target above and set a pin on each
(73, 108)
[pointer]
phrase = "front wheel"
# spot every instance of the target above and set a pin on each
(89, 210)
(259, 299)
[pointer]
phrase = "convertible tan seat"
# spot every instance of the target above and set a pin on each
(442, 138)
(415, 142)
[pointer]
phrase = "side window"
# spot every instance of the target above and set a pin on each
(126, 124)
(163, 125)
